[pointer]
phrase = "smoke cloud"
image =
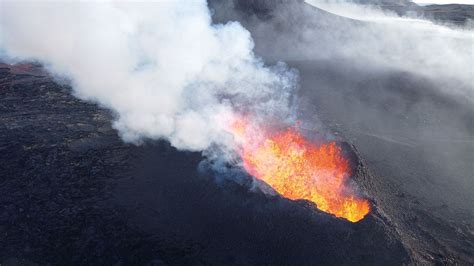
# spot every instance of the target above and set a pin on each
(400, 88)
(164, 69)
(385, 40)
(366, 38)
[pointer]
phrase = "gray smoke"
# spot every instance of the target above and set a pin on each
(385, 40)
(367, 38)
(164, 69)
(401, 89)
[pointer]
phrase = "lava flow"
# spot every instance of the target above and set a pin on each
(299, 169)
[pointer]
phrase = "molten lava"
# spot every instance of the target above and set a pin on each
(299, 169)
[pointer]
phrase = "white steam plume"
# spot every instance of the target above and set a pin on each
(367, 38)
(162, 67)
(386, 40)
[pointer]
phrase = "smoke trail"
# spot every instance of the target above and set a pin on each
(366, 38)
(439, 53)
(162, 67)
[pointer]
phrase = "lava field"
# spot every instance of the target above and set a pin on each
(73, 192)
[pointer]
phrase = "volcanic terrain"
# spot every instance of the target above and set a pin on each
(72, 192)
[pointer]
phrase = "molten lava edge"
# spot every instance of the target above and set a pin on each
(299, 169)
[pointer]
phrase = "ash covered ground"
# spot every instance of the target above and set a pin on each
(73, 193)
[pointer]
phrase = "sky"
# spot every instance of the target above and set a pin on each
(441, 2)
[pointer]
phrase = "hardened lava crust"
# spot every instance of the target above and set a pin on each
(73, 193)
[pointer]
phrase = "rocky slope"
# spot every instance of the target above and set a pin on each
(72, 193)
(417, 139)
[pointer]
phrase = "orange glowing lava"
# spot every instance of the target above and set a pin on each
(299, 169)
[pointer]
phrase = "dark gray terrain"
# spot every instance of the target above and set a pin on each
(71, 192)
(456, 14)
(453, 13)
(418, 141)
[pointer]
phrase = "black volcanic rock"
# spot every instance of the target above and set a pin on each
(457, 14)
(72, 193)
(454, 13)
(415, 137)
(58, 157)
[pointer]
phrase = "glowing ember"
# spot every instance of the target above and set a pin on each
(299, 169)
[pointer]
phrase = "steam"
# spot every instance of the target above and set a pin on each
(164, 69)
(369, 39)
(412, 44)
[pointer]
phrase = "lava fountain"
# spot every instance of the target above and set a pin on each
(297, 168)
